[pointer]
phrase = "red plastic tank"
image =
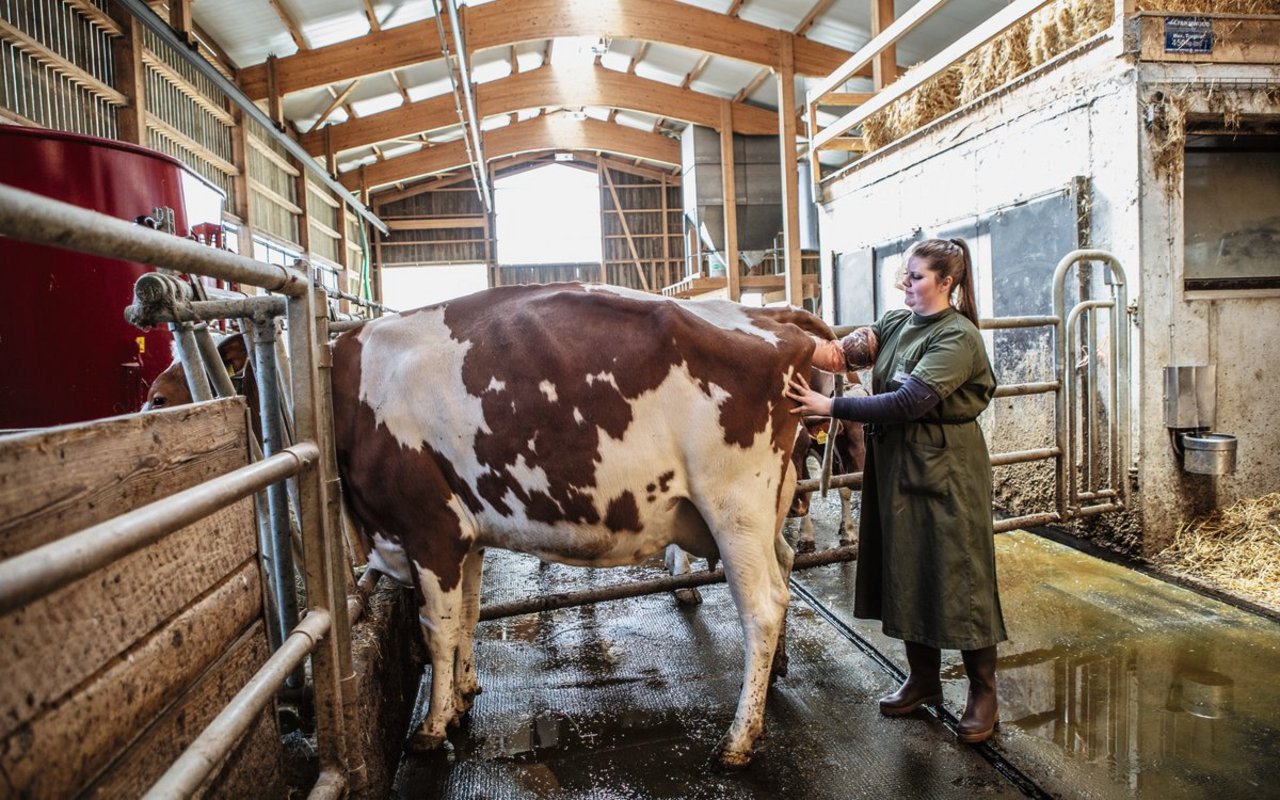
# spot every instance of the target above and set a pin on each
(67, 352)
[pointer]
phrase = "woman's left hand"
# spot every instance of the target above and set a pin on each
(810, 402)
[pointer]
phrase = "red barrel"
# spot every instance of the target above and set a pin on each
(67, 352)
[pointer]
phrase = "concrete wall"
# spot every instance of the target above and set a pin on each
(1232, 330)
(1085, 117)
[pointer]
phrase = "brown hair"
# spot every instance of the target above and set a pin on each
(949, 258)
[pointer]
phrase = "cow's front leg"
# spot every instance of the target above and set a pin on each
(465, 682)
(678, 563)
(441, 618)
(848, 530)
(805, 542)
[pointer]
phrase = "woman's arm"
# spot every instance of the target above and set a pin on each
(906, 403)
(855, 351)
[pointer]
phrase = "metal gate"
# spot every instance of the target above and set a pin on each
(1085, 486)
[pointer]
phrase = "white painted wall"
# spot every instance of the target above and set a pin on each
(1084, 117)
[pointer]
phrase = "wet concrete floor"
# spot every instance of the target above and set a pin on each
(1114, 684)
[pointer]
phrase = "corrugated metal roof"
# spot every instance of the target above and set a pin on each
(251, 30)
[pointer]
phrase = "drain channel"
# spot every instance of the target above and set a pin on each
(1017, 777)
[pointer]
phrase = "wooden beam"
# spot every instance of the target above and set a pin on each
(729, 192)
(790, 175)
(884, 68)
(338, 100)
(273, 93)
(130, 78)
(180, 20)
(696, 71)
(506, 22)
(179, 138)
(294, 31)
(541, 133)
(442, 223)
(98, 17)
(626, 230)
(370, 15)
(176, 79)
(847, 98)
(818, 10)
(996, 24)
(546, 86)
(857, 63)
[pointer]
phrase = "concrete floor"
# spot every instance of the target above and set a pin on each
(1114, 684)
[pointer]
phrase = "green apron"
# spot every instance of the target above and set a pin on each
(926, 550)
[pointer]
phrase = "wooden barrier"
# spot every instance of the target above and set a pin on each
(104, 681)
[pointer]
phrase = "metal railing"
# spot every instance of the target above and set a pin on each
(1099, 494)
(324, 633)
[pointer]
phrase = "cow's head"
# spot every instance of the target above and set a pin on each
(170, 387)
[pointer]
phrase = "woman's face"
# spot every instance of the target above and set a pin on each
(923, 293)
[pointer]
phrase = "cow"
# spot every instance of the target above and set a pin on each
(848, 454)
(586, 424)
(170, 386)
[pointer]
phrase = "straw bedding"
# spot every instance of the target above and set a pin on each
(1237, 549)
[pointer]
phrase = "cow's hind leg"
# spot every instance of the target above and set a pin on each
(441, 617)
(748, 546)
(848, 530)
(465, 683)
(678, 563)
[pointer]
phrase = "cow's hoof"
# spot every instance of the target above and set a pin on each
(734, 760)
(805, 546)
(778, 670)
(688, 597)
(422, 741)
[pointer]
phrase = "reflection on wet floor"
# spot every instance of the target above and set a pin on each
(1113, 684)
(1117, 684)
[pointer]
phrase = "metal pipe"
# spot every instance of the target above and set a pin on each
(212, 360)
(35, 573)
(986, 324)
(264, 304)
(188, 351)
(472, 120)
(550, 602)
(329, 786)
(1023, 456)
(854, 479)
(1072, 318)
(346, 325)
(1026, 521)
(142, 13)
(211, 747)
(280, 553)
(30, 217)
(1020, 389)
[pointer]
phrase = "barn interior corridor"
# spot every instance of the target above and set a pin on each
(1114, 684)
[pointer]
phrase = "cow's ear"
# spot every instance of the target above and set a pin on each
(234, 352)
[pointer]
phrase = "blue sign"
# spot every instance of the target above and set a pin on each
(1188, 35)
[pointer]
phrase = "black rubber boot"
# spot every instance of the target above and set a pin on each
(981, 711)
(922, 687)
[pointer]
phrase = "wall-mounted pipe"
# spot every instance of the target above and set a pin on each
(471, 120)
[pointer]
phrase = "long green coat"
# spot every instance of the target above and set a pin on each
(926, 550)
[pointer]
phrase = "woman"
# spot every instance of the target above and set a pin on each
(926, 551)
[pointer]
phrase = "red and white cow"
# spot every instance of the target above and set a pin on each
(588, 425)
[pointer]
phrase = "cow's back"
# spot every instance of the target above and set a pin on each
(570, 421)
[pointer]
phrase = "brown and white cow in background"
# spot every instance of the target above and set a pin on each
(848, 454)
(588, 425)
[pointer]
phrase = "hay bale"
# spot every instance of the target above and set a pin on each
(932, 99)
(1237, 548)
(1271, 7)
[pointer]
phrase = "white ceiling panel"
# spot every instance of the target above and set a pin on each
(784, 15)
(248, 30)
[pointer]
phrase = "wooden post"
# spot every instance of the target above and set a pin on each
(790, 170)
(666, 238)
(730, 193)
(273, 94)
(884, 69)
(180, 21)
(130, 77)
(243, 206)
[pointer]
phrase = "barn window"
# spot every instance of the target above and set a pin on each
(1231, 212)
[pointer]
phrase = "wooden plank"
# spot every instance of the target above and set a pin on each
(1236, 39)
(76, 75)
(161, 68)
(858, 62)
(995, 25)
(447, 223)
(271, 155)
(97, 16)
(626, 230)
(181, 139)
(271, 196)
(149, 756)
(505, 22)
(61, 480)
(884, 67)
(59, 752)
(52, 645)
